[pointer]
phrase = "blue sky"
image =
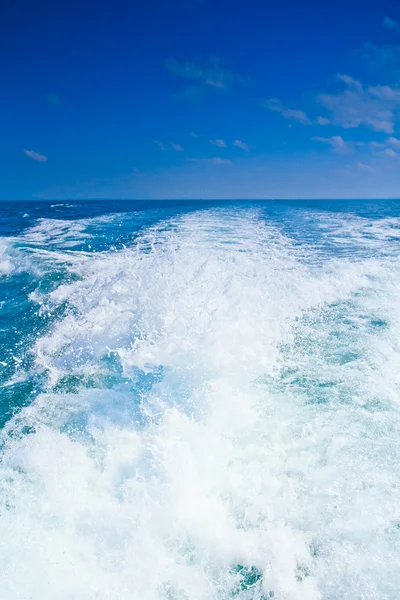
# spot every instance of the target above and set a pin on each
(200, 99)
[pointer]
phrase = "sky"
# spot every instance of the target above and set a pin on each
(200, 99)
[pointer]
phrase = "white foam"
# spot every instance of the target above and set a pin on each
(6, 265)
(232, 457)
(49, 244)
(361, 232)
(64, 232)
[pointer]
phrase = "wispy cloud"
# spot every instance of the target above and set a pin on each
(287, 113)
(391, 153)
(35, 156)
(390, 23)
(242, 145)
(216, 160)
(384, 61)
(337, 143)
(160, 145)
(204, 77)
(322, 121)
(374, 145)
(394, 142)
(390, 142)
(363, 166)
(292, 114)
(219, 143)
(193, 134)
(356, 104)
(220, 161)
(388, 147)
(372, 106)
(177, 147)
(213, 74)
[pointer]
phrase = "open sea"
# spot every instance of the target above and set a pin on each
(200, 400)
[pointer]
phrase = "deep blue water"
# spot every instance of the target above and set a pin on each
(200, 400)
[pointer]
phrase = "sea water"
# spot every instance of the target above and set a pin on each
(200, 401)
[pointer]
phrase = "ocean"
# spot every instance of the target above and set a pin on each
(200, 400)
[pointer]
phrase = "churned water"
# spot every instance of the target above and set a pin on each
(200, 401)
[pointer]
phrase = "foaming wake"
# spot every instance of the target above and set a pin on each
(221, 421)
(6, 265)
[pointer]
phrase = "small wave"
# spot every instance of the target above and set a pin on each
(6, 264)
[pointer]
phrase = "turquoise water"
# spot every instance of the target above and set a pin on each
(200, 400)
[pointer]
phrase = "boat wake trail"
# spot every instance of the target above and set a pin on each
(218, 418)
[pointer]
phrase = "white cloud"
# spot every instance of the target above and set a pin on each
(160, 145)
(287, 113)
(376, 144)
(36, 156)
(216, 160)
(322, 121)
(364, 167)
(337, 143)
(391, 153)
(394, 142)
(297, 115)
(193, 134)
(373, 106)
(177, 147)
(219, 143)
(294, 114)
(220, 161)
(390, 23)
(242, 145)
